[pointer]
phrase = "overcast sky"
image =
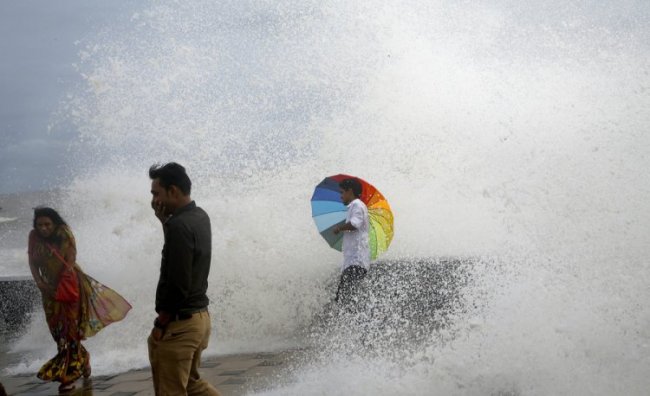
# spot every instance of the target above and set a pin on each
(38, 47)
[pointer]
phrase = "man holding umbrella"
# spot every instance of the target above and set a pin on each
(356, 250)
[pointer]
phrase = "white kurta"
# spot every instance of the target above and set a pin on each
(356, 249)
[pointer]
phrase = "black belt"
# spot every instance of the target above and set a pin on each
(187, 314)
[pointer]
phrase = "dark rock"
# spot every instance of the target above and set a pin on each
(401, 303)
(18, 298)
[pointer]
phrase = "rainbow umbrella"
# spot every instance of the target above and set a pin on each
(328, 211)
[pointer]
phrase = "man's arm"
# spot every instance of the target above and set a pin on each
(344, 227)
(178, 262)
(356, 219)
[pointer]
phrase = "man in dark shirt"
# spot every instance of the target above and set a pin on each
(182, 329)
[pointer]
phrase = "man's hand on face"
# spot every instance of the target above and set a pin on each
(160, 211)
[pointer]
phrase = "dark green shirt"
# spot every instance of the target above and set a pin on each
(185, 261)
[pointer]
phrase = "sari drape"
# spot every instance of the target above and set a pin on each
(70, 323)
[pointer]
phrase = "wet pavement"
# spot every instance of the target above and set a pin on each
(232, 375)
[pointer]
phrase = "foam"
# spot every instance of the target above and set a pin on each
(514, 132)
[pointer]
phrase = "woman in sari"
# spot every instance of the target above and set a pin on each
(52, 251)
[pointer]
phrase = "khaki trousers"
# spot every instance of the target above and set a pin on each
(175, 359)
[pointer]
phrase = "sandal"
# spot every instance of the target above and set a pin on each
(64, 388)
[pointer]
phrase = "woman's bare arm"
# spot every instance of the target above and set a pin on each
(36, 274)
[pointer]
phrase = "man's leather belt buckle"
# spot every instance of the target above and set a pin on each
(187, 315)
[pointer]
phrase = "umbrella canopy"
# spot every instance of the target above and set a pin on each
(328, 211)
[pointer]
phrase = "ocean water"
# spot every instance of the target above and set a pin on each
(511, 135)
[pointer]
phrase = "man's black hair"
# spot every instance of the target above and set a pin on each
(351, 184)
(171, 174)
(50, 213)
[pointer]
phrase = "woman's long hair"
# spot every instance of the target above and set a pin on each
(52, 215)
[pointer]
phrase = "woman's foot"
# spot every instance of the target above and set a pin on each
(87, 370)
(64, 388)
